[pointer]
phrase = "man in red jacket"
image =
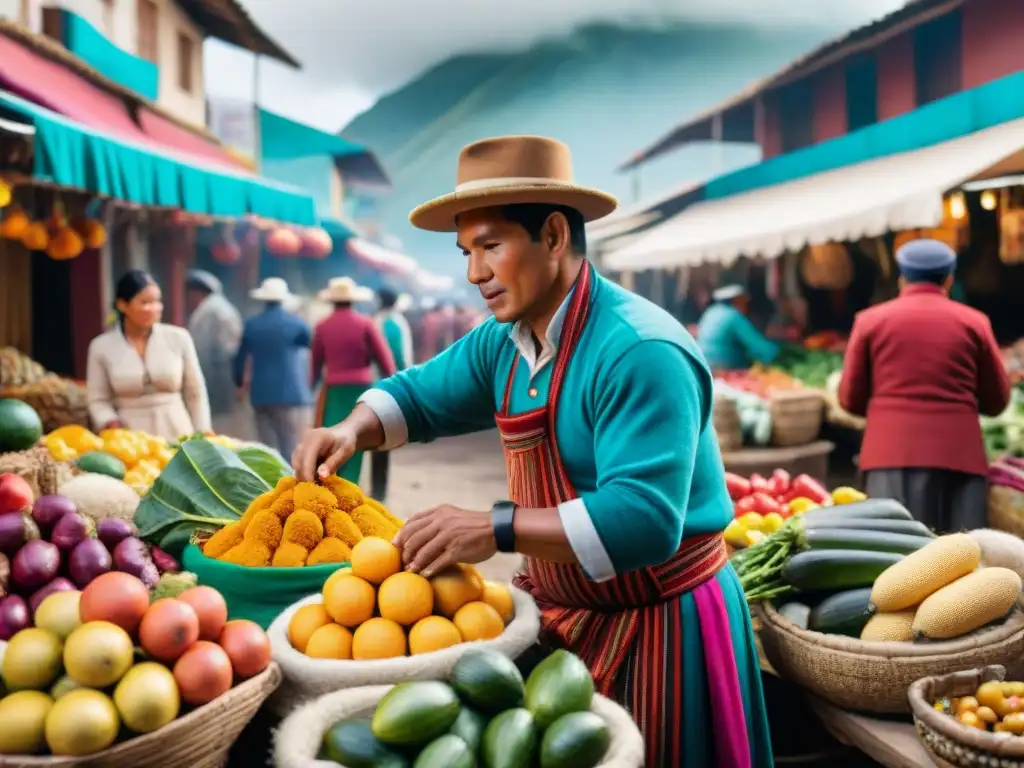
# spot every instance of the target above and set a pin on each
(920, 368)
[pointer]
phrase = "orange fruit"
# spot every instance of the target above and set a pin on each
(378, 638)
(307, 620)
(350, 601)
(331, 641)
(374, 559)
(499, 597)
(432, 634)
(405, 598)
(344, 571)
(456, 586)
(478, 621)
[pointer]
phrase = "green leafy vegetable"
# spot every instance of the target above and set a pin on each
(204, 486)
(265, 462)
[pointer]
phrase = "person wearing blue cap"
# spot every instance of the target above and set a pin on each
(727, 337)
(920, 368)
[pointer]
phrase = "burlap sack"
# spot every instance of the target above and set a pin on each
(306, 679)
(297, 740)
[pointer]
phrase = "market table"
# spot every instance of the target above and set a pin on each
(811, 459)
(890, 742)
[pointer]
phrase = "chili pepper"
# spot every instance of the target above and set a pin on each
(809, 488)
(759, 484)
(744, 505)
(738, 486)
(764, 504)
(780, 482)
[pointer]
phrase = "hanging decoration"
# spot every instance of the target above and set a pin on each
(226, 250)
(316, 243)
(14, 224)
(63, 242)
(284, 242)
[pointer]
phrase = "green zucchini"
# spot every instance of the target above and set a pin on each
(865, 541)
(844, 613)
(907, 527)
(885, 509)
(836, 568)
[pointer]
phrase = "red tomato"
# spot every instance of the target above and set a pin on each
(780, 482)
(809, 488)
(744, 505)
(764, 504)
(738, 486)
(15, 493)
(759, 484)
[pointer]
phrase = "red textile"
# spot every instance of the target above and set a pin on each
(345, 345)
(921, 367)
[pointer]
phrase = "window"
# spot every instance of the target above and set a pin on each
(146, 41)
(938, 58)
(186, 54)
(796, 115)
(861, 92)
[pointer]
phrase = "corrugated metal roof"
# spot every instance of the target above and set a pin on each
(227, 20)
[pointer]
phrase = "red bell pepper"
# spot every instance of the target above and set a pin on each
(760, 484)
(744, 505)
(809, 488)
(764, 504)
(780, 482)
(738, 486)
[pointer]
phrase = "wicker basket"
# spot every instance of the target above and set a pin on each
(796, 417)
(874, 677)
(948, 742)
(1006, 510)
(200, 739)
(726, 419)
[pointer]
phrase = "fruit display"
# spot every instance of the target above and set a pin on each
(762, 504)
(811, 367)
(20, 426)
(47, 546)
(375, 610)
(995, 706)
(131, 456)
(484, 714)
(299, 524)
(761, 381)
(104, 664)
(753, 411)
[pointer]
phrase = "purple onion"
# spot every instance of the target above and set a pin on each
(70, 530)
(132, 556)
(14, 616)
(60, 584)
(16, 529)
(36, 564)
(49, 509)
(113, 530)
(88, 560)
(164, 562)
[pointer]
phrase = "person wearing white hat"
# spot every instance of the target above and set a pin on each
(274, 349)
(616, 487)
(216, 328)
(727, 337)
(346, 347)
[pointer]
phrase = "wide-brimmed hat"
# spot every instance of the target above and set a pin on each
(272, 289)
(728, 292)
(510, 170)
(344, 290)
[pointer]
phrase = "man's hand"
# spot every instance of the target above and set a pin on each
(437, 538)
(322, 451)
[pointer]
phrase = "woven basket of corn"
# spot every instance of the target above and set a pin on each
(796, 417)
(950, 743)
(726, 420)
(1006, 510)
(200, 739)
(874, 677)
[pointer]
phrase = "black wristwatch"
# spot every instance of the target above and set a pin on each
(503, 515)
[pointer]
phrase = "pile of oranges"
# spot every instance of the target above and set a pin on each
(375, 610)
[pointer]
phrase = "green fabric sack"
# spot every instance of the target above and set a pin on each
(257, 594)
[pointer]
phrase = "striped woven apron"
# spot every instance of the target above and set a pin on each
(606, 623)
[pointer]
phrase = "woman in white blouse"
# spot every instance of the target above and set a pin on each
(143, 374)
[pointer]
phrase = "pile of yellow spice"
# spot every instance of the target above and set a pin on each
(298, 524)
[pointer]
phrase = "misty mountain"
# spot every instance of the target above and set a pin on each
(605, 90)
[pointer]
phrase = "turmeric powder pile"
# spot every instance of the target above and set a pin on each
(298, 524)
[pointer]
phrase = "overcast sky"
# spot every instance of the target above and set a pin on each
(356, 50)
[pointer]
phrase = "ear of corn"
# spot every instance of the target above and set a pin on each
(929, 569)
(967, 604)
(889, 627)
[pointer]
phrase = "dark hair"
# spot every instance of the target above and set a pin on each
(388, 298)
(532, 217)
(343, 305)
(934, 276)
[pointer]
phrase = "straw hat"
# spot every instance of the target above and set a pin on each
(344, 290)
(272, 289)
(510, 170)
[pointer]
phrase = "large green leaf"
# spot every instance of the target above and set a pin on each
(265, 462)
(204, 485)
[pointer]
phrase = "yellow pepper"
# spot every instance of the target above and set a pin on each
(753, 537)
(123, 448)
(735, 534)
(752, 521)
(802, 504)
(60, 450)
(847, 495)
(163, 456)
(773, 521)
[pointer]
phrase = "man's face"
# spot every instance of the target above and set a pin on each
(511, 271)
(193, 298)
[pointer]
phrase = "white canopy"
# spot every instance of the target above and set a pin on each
(894, 193)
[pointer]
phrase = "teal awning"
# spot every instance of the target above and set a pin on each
(72, 155)
(284, 139)
(89, 44)
(338, 230)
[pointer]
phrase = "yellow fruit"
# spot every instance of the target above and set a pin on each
(58, 613)
(307, 620)
(915, 577)
(454, 587)
(802, 504)
(22, 722)
(478, 621)
(98, 654)
(331, 641)
(375, 559)
(847, 495)
(889, 627)
(773, 521)
(752, 521)
(967, 604)
(81, 723)
(147, 697)
(499, 597)
(735, 534)
(345, 570)
(378, 638)
(753, 537)
(433, 633)
(350, 601)
(32, 660)
(405, 598)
